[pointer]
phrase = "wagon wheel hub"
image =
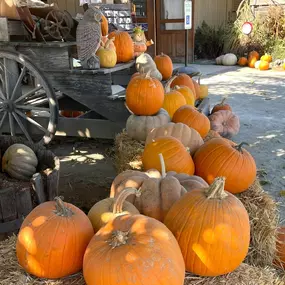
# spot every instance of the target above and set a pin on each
(8, 105)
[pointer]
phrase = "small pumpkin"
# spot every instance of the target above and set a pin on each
(264, 65)
(104, 26)
(252, 61)
(110, 208)
(124, 45)
(182, 79)
(221, 106)
(139, 48)
(229, 59)
(192, 118)
(187, 93)
(138, 127)
(71, 114)
(189, 137)
(219, 60)
(132, 249)
(242, 61)
(144, 95)
(225, 123)
(20, 162)
(174, 153)
(266, 57)
(107, 56)
(210, 224)
(164, 65)
(53, 239)
(254, 54)
(222, 157)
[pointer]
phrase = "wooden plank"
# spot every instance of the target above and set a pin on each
(11, 226)
(40, 44)
(4, 32)
(24, 202)
(8, 204)
(204, 106)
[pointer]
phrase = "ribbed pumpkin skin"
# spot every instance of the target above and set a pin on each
(218, 157)
(104, 26)
(144, 95)
(221, 106)
(197, 89)
(189, 116)
(175, 156)
(184, 80)
(187, 93)
(150, 256)
(164, 65)
(173, 100)
(213, 234)
(52, 246)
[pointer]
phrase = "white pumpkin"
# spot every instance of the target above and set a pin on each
(20, 162)
(230, 59)
(219, 60)
(138, 127)
(256, 65)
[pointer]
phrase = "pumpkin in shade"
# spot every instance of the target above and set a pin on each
(222, 157)
(124, 45)
(139, 48)
(189, 137)
(252, 61)
(242, 61)
(189, 116)
(108, 209)
(107, 56)
(20, 162)
(187, 93)
(133, 250)
(219, 60)
(135, 75)
(164, 65)
(221, 106)
(138, 127)
(184, 80)
(226, 123)
(53, 239)
(144, 95)
(212, 228)
(104, 26)
(280, 248)
(266, 57)
(254, 54)
(175, 156)
(264, 65)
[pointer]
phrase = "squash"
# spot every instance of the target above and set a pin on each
(144, 95)
(189, 137)
(107, 56)
(187, 93)
(225, 123)
(222, 157)
(242, 61)
(175, 156)
(182, 79)
(20, 162)
(221, 106)
(164, 65)
(212, 228)
(229, 59)
(211, 135)
(219, 60)
(104, 26)
(266, 57)
(192, 118)
(138, 127)
(264, 65)
(110, 208)
(53, 239)
(124, 45)
(133, 249)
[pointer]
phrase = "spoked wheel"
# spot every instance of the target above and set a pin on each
(29, 109)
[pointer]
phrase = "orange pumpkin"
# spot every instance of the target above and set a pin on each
(222, 157)
(184, 80)
(280, 247)
(124, 45)
(53, 239)
(221, 106)
(212, 228)
(164, 65)
(136, 74)
(71, 114)
(133, 250)
(139, 48)
(252, 61)
(104, 26)
(144, 95)
(189, 116)
(266, 57)
(242, 61)
(197, 89)
(187, 93)
(175, 156)
(173, 100)
(264, 65)
(254, 54)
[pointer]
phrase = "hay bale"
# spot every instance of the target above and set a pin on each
(264, 220)
(128, 153)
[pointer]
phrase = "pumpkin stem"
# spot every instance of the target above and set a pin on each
(120, 199)
(162, 163)
(223, 101)
(167, 88)
(239, 147)
(118, 238)
(217, 189)
(61, 209)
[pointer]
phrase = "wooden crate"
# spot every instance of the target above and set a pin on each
(11, 30)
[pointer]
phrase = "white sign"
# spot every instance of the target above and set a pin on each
(188, 14)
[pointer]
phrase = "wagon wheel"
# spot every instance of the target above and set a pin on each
(26, 108)
(58, 24)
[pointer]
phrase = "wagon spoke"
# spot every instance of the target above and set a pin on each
(19, 81)
(31, 107)
(2, 97)
(3, 119)
(11, 123)
(18, 120)
(28, 94)
(6, 78)
(30, 120)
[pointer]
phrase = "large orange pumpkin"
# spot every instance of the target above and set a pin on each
(124, 45)
(164, 65)
(242, 61)
(175, 156)
(133, 250)
(212, 229)
(189, 116)
(144, 95)
(252, 61)
(173, 100)
(254, 54)
(222, 157)
(264, 65)
(53, 239)
(104, 26)
(184, 80)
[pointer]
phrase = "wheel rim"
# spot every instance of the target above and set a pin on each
(26, 109)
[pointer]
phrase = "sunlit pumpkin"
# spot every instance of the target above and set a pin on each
(266, 57)
(53, 239)
(212, 228)
(197, 89)
(187, 93)
(222, 157)
(264, 65)
(164, 65)
(184, 80)
(242, 61)
(204, 91)
(252, 61)
(254, 54)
